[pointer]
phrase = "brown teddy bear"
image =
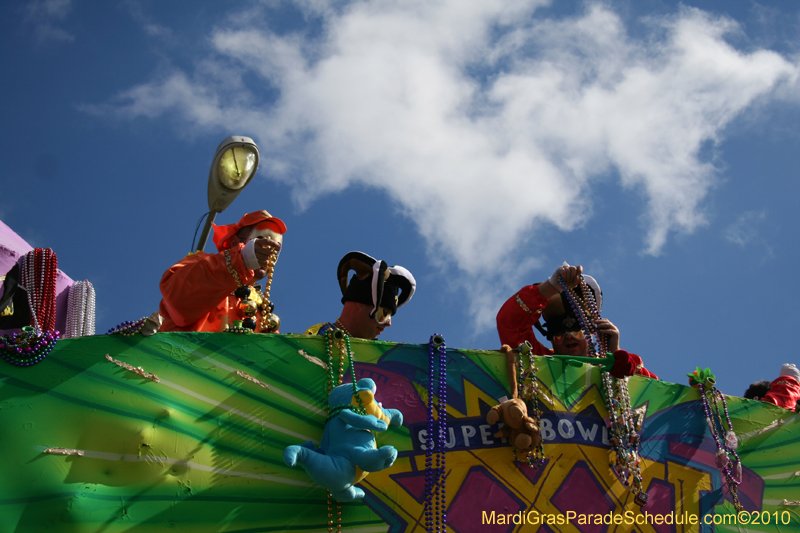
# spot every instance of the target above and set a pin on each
(520, 429)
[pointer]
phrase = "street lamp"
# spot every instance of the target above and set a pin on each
(234, 165)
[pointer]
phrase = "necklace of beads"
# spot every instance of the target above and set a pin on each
(435, 507)
(269, 320)
(27, 347)
(237, 328)
(727, 459)
(528, 387)
(340, 325)
(38, 270)
(340, 339)
(623, 437)
(128, 328)
(585, 309)
(80, 310)
(250, 304)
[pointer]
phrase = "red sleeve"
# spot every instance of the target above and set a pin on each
(783, 392)
(628, 364)
(515, 323)
(194, 286)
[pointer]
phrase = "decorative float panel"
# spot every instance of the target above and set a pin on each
(186, 432)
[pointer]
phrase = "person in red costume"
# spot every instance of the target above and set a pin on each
(518, 316)
(198, 292)
(783, 391)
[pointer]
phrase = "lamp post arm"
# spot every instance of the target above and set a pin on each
(201, 244)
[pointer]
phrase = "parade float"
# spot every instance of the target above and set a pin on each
(235, 431)
(187, 432)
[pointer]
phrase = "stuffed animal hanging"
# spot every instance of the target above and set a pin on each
(521, 430)
(348, 451)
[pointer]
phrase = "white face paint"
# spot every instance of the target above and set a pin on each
(265, 233)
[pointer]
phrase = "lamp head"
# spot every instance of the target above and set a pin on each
(234, 165)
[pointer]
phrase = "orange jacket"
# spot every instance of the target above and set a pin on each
(197, 292)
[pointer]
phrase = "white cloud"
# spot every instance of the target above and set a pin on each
(744, 230)
(45, 16)
(151, 28)
(501, 118)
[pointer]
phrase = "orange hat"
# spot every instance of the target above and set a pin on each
(223, 234)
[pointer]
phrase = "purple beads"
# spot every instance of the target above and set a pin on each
(435, 507)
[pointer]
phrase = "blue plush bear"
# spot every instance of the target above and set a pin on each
(348, 452)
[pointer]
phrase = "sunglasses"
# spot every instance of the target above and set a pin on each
(559, 338)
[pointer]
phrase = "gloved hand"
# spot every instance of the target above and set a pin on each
(788, 369)
(624, 364)
(570, 274)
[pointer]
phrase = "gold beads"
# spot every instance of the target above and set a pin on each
(248, 307)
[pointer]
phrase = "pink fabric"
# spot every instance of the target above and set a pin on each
(12, 247)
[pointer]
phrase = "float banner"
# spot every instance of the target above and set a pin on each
(186, 431)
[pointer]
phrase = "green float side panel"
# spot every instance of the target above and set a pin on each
(200, 450)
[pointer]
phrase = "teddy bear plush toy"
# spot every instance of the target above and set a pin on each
(348, 451)
(520, 429)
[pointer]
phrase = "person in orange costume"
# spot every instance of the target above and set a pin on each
(521, 312)
(197, 292)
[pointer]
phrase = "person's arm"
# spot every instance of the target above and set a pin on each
(194, 286)
(516, 317)
(785, 391)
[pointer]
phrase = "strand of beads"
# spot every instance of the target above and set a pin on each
(128, 328)
(528, 387)
(340, 339)
(623, 437)
(238, 328)
(336, 337)
(334, 380)
(72, 328)
(340, 325)
(38, 271)
(435, 505)
(727, 459)
(89, 310)
(430, 445)
(269, 320)
(587, 313)
(27, 278)
(28, 347)
(80, 310)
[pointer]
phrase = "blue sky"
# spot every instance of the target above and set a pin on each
(477, 143)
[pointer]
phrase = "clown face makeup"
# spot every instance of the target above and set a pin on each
(230, 234)
(266, 230)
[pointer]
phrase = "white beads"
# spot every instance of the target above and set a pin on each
(80, 310)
